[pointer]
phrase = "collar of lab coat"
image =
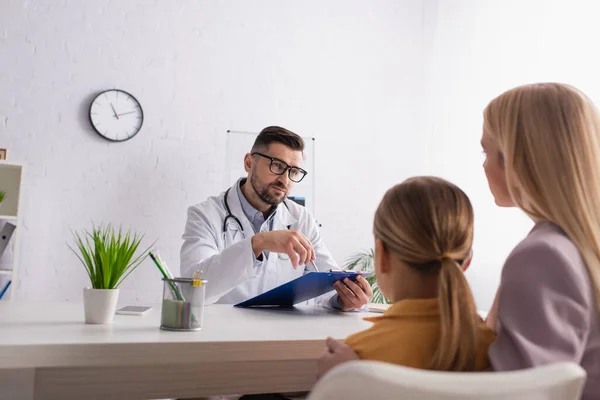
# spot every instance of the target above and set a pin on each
(283, 216)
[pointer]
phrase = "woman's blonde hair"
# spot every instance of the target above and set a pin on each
(427, 223)
(549, 134)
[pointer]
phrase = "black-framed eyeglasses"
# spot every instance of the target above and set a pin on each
(278, 167)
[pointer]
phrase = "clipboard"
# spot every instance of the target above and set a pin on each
(308, 286)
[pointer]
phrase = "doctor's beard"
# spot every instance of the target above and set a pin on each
(263, 191)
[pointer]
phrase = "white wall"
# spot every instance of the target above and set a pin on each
(479, 48)
(349, 73)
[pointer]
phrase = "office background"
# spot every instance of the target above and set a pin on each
(389, 89)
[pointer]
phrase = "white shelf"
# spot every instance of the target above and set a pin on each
(11, 182)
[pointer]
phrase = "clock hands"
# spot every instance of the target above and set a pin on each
(129, 112)
(120, 115)
(114, 111)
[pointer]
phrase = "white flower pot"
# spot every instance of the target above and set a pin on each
(99, 305)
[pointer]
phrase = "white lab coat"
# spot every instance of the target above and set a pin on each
(228, 261)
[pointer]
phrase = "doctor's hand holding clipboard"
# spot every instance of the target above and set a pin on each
(353, 294)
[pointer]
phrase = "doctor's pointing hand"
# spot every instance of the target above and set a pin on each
(293, 243)
(251, 239)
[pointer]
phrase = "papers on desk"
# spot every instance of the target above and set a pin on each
(377, 308)
(381, 308)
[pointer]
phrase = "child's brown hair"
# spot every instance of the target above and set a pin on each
(427, 223)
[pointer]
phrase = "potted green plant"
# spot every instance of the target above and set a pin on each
(2, 196)
(363, 261)
(108, 256)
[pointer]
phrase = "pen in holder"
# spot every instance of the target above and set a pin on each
(183, 304)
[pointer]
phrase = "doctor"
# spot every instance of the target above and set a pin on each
(250, 239)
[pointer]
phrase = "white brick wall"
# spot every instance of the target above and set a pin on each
(349, 73)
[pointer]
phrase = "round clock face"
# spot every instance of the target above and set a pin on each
(116, 115)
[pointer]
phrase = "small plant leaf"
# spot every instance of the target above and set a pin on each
(108, 255)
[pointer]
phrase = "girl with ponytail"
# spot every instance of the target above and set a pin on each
(423, 236)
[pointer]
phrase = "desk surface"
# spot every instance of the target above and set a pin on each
(37, 334)
(47, 351)
(63, 323)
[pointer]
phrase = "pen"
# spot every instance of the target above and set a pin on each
(174, 287)
(164, 265)
(314, 265)
(160, 268)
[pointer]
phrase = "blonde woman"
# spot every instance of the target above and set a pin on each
(542, 145)
(423, 237)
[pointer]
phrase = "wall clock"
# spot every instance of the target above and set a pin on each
(116, 115)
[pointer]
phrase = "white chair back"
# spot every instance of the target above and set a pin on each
(362, 380)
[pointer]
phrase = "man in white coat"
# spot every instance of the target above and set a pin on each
(250, 239)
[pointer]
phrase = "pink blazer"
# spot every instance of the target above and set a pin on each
(547, 309)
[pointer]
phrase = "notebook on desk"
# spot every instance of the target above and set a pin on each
(308, 286)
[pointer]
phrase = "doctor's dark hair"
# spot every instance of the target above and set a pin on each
(427, 223)
(277, 134)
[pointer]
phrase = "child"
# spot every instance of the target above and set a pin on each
(423, 236)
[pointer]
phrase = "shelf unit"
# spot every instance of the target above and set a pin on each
(11, 182)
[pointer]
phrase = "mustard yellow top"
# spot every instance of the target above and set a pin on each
(408, 334)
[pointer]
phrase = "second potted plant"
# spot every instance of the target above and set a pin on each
(364, 261)
(109, 257)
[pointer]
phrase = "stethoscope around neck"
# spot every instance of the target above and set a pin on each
(237, 221)
(230, 215)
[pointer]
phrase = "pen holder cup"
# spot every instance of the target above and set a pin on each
(182, 304)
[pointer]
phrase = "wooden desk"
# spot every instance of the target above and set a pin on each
(47, 352)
